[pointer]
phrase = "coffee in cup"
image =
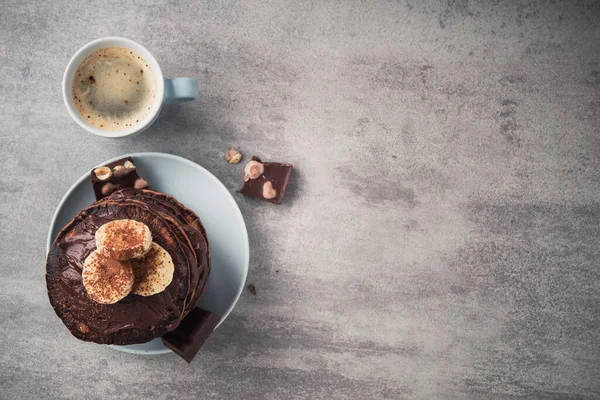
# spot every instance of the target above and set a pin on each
(114, 88)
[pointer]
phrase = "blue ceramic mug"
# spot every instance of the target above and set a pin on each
(175, 90)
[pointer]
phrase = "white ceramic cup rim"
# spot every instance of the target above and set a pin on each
(77, 59)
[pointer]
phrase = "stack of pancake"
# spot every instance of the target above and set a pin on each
(134, 319)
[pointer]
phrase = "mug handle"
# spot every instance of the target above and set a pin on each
(178, 90)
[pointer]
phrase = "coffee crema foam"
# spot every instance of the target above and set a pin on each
(114, 88)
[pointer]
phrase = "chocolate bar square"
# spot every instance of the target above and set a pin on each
(192, 332)
(270, 185)
(114, 176)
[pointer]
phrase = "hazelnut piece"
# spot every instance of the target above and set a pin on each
(253, 170)
(121, 171)
(128, 164)
(140, 184)
(233, 156)
(269, 191)
(108, 188)
(103, 173)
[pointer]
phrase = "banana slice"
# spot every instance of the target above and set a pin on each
(153, 272)
(106, 280)
(123, 239)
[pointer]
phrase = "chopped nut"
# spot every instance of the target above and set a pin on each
(233, 156)
(253, 170)
(128, 164)
(121, 172)
(103, 173)
(268, 191)
(118, 167)
(108, 188)
(140, 184)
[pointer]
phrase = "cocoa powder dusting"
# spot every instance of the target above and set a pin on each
(113, 278)
(125, 236)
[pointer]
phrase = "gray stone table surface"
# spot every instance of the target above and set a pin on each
(441, 237)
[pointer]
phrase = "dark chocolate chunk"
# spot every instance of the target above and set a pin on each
(252, 289)
(269, 185)
(115, 176)
(192, 332)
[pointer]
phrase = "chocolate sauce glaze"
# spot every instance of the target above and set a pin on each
(134, 319)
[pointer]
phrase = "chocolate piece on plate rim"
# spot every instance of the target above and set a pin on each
(117, 175)
(266, 180)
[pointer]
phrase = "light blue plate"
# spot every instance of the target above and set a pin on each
(200, 191)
